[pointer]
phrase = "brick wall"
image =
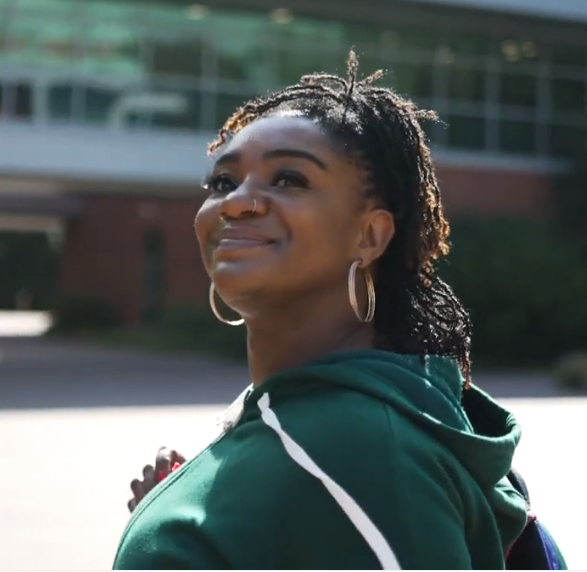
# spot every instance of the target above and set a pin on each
(103, 251)
(487, 193)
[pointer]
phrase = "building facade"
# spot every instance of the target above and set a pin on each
(106, 107)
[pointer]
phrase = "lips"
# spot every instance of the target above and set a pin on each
(230, 238)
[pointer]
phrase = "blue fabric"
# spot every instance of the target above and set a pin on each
(551, 550)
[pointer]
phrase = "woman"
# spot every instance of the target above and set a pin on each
(352, 449)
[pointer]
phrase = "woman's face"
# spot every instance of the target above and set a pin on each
(310, 220)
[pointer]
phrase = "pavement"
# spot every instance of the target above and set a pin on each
(77, 423)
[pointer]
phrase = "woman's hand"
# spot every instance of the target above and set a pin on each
(166, 462)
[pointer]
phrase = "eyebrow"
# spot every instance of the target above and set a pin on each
(276, 154)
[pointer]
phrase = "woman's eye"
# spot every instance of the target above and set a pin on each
(290, 180)
(221, 184)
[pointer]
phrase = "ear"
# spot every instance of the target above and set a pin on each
(377, 230)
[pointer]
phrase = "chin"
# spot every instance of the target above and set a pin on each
(238, 280)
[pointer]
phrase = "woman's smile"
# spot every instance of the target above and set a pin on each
(235, 239)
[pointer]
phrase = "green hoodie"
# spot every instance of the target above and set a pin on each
(363, 460)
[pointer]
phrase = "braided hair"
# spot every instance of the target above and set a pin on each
(417, 312)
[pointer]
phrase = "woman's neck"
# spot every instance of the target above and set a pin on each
(276, 345)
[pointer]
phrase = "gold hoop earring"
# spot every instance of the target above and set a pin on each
(370, 293)
(217, 313)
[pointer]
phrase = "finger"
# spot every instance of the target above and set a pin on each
(164, 453)
(177, 458)
(163, 463)
(137, 489)
(148, 478)
(132, 504)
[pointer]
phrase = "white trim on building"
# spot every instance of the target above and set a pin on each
(84, 153)
(575, 10)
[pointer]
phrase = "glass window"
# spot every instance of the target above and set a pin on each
(565, 139)
(176, 44)
(357, 34)
(4, 27)
(60, 101)
(518, 137)
(309, 47)
(568, 94)
(431, 129)
(370, 61)
(113, 50)
(569, 55)
(466, 132)
(399, 38)
(177, 57)
(46, 9)
(101, 55)
(253, 66)
(520, 51)
(413, 80)
(42, 33)
(466, 83)
(254, 49)
(518, 88)
(6, 105)
(23, 100)
(292, 64)
(64, 35)
(36, 42)
(99, 102)
(418, 39)
(113, 37)
(16, 100)
(469, 45)
(184, 115)
(227, 104)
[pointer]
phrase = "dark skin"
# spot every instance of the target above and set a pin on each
(284, 267)
(289, 280)
(152, 474)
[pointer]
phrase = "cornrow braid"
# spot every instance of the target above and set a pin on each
(417, 312)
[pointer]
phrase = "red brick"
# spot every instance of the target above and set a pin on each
(103, 251)
(487, 192)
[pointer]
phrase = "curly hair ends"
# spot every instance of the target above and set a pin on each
(417, 312)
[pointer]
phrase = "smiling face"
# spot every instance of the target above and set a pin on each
(286, 216)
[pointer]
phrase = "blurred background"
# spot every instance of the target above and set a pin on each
(105, 111)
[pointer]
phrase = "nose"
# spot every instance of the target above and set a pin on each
(243, 202)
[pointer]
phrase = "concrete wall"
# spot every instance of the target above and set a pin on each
(100, 154)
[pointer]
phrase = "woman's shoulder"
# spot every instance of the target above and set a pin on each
(336, 421)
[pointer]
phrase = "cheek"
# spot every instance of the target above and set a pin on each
(321, 234)
(205, 217)
(206, 220)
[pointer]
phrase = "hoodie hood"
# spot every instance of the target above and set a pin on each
(481, 435)
(479, 432)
